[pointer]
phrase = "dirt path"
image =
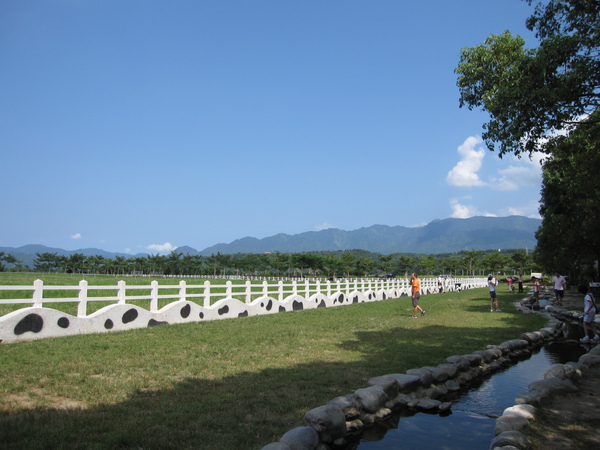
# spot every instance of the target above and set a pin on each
(571, 421)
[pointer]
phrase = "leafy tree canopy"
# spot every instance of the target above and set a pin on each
(534, 95)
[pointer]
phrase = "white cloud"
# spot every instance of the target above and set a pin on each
(523, 172)
(161, 248)
(460, 211)
(324, 226)
(464, 174)
(531, 209)
(76, 236)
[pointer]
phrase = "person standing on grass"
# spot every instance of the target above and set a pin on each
(511, 286)
(415, 289)
(560, 284)
(493, 297)
(589, 311)
(520, 281)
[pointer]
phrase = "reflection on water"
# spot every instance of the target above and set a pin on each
(472, 421)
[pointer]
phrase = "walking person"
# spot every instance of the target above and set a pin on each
(493, 296)
(415, 289)
(589, 311)
(560, 284)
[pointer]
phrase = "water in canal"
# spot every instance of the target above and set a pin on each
(472, 419)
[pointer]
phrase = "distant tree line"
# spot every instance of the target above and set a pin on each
(350, 263)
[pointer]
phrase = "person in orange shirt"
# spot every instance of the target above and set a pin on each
(415, 289)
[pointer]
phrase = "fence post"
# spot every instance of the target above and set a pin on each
(228, 289)
(82, 306)
(206, 294)
(121, 292)
(182, 289)
(280, 296)
(306, 288)
(248, 292)
(154, 296)
(265, 291)
(38, 293)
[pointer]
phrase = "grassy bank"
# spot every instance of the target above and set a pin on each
(228, 384)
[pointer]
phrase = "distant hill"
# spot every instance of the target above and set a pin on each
(439, 236)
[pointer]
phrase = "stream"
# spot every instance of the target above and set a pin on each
(472, 419)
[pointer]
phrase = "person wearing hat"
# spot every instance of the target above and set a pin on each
(493, 297)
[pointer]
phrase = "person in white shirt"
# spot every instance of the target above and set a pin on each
(560, 284)
(589, 311)
(493, 297)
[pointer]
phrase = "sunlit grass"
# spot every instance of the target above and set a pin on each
(238, 383)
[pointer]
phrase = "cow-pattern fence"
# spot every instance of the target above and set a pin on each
(83, 308)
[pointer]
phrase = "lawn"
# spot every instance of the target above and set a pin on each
(229, 384)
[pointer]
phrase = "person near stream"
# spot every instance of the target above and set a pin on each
(589, 312)
(560, 284)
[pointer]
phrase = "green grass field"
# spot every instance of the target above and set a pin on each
(229, 384)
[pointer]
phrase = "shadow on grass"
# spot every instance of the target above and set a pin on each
(245, 411)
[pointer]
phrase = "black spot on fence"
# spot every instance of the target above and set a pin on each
(201, 315)
(63, 322)
(31, 322)
(130, 316)
(322, 304)
(297, 306)
(109, 324)
(355, 299)
(341, 298)
(384, 296)
(155, 323)
(270, 305)
(223, 310)
(281, 308)
(185, 311)
(243, 314)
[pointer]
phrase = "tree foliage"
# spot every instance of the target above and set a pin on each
(569, 238)
(546, 100)
(349, 263)
(534, 95)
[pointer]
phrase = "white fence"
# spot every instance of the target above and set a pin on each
(188, 302)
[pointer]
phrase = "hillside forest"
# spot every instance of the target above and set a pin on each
(349, 263)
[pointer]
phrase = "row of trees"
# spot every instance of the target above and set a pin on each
(6, 258)
(328, 264)
(546, 100)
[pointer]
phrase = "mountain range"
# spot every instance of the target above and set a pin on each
(439, 236)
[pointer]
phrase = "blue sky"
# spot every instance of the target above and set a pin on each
(143, 125)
